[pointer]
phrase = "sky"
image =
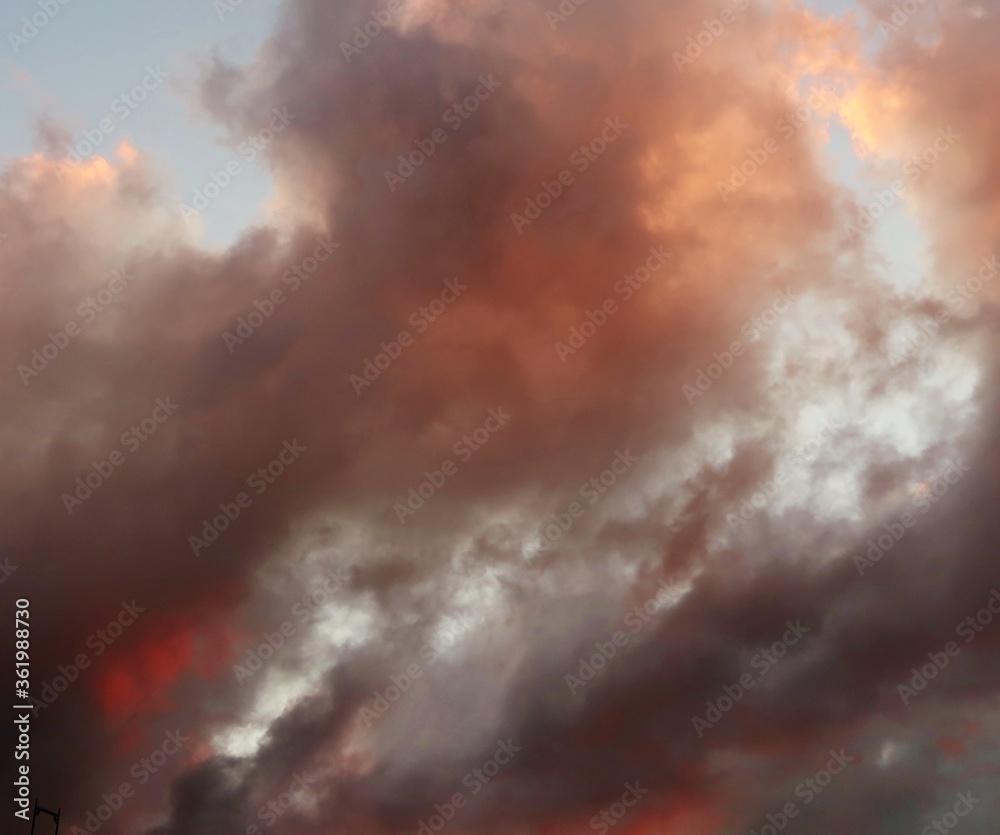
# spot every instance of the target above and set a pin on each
(89, 55)
(472, 417)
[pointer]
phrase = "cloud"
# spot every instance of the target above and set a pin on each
(463, 592)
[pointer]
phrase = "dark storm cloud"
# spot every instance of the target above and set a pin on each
(653, 186)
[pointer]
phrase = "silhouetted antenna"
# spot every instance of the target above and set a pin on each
(39, 810)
